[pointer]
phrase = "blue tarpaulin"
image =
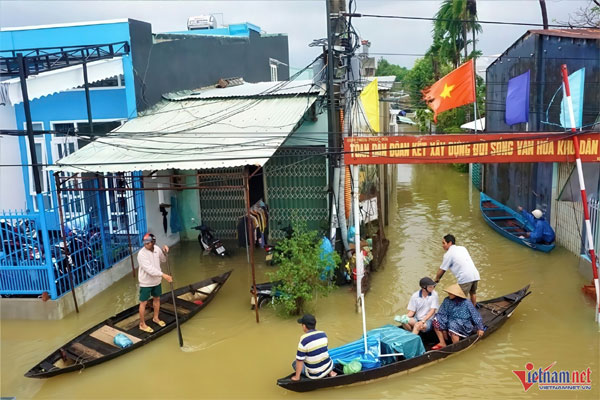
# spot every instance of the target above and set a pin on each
(388, 339)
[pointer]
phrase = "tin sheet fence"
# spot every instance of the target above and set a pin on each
(99, 227)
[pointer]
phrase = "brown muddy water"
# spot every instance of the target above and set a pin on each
(228, 356)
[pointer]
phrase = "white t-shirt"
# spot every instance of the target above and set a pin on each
(422, 305)
(150, 274)
(458, 260)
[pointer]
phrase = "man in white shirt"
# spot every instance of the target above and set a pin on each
(459, 262)
(421, 308)
(150, 277)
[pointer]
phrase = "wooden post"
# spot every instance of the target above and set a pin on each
(251, 240)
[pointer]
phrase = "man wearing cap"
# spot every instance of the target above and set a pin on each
(421, 307)
(150, 277)
(458, 260)
(542, 232)
(312, 357)
(457, 318)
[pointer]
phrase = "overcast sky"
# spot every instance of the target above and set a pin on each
(302, 20)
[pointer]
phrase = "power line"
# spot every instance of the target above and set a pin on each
(359, 15)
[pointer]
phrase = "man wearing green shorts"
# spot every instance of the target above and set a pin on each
(150, 277)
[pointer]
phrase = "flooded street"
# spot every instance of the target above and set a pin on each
(227, 355)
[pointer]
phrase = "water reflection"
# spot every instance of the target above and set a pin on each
(227, 355)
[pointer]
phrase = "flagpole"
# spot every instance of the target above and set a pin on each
(586, 211)
(474, 80)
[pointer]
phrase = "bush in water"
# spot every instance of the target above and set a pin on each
(302, 271)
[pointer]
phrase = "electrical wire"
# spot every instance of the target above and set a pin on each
(361, 15)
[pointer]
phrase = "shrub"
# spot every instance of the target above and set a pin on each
(302, 271)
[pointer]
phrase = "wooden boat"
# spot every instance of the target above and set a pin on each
(96, 345)
(494, 313)
(509, 223)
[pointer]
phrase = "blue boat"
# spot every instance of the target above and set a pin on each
(509, 223)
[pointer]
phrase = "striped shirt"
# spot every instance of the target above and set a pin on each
(312, 349)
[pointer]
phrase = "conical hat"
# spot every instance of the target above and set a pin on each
(455, 290)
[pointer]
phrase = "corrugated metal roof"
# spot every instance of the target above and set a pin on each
(588, 33)
(194, 134)
(261, 89)
(383, 82)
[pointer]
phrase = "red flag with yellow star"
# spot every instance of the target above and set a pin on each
(453, 90)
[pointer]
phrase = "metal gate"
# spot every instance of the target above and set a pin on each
(220, 208)
(296, 188)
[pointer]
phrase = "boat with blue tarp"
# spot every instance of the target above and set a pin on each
(392, 350)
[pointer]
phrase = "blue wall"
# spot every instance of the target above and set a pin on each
(238, 30)
(65, 36)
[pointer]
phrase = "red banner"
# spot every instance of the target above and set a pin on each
(479, 148)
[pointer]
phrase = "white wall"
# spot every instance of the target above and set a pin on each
(154, 218)
(12, 192)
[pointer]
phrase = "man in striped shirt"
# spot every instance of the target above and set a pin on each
(312, 358)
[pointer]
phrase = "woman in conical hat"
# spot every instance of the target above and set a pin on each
(457, 318)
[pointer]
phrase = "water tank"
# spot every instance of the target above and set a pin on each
(202, 22)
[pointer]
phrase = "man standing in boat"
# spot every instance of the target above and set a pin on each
(542, 232)
(150, 277)
(312, 357)
(458, 260)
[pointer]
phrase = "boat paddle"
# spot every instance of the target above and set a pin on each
(174, 305)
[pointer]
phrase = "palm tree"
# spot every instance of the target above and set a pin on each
(453, 20)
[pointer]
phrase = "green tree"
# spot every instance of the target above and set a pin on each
(302, 271)
(454, 20)
(385, 68)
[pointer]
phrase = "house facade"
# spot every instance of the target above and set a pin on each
(539, 185)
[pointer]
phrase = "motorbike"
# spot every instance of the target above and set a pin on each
(209, 242)
(264, 293)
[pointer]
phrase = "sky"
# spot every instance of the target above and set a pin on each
(302, 20)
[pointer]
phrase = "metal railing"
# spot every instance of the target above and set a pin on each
(594, 206)
(50, 58)
(102, 227)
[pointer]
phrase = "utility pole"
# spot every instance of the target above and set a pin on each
(335, 28)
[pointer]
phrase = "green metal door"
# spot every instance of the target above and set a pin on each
(296, 188)
(221, 208)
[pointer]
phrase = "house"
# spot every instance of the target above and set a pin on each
(170, 61)
(122, 58)
(539, 185)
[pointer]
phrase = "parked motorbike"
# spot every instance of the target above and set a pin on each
(264, 293)
(209, 242)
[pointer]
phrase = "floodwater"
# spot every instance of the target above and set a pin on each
(227, 355)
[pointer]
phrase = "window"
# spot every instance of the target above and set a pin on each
(273, 72)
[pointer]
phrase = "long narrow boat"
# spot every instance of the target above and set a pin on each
(509, 223)
(494, 313)
(96, 345)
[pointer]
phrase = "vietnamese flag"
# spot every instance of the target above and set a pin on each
(453, 90)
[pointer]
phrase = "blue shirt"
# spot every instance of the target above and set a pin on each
(542, 232)
(459, 316)
(312, 349)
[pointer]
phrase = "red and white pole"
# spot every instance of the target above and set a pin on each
(586, 211)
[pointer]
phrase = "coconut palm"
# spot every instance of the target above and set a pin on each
(453, 20)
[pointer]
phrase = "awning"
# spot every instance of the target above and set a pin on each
(194, 134)
(47, 83)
